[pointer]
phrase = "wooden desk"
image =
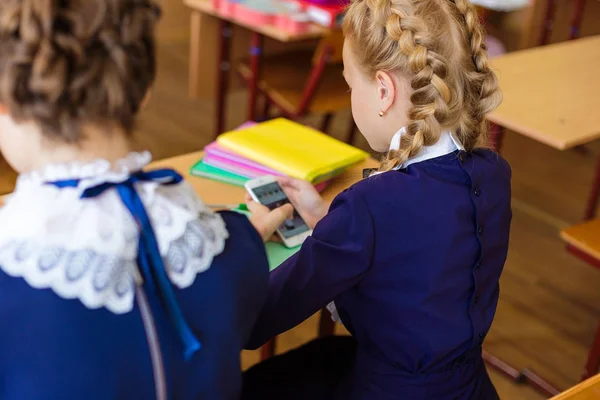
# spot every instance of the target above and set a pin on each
(205, 7)
(211, 39)
(212, 192)
(551, 93)
(588, 390)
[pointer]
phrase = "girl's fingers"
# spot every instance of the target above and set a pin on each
(256, 208)
(266, 222)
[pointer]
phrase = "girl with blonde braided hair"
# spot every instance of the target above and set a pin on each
(408, 259)
(115, 282)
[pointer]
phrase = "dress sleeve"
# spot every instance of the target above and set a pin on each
(330, 262)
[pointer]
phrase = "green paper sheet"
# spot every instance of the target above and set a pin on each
(278, 253)
(208, 171)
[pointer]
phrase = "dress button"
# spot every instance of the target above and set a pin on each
(480, 230)
(477, 192)
(476, 299)
(477, 266)
(461, 156)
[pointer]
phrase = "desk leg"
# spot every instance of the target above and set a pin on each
(194, 75)
(256, 47)
(577, 19)
(548, 21)
(326, 324)
(268, 349)
(222, 74)
(593, 362)
(592, 202)
(522, 377)
(352, 128)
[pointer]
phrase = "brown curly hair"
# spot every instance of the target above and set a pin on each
(64, 63)
(440, 44)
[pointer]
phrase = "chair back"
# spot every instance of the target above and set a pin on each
(550, 18)
(328, 52)
(330, 48)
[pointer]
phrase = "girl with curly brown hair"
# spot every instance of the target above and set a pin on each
(115, 283)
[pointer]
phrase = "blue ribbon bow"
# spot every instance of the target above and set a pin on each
(149, 259)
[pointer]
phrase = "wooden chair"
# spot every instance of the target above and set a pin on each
(583, 241)
(300, 83)
(549, 20)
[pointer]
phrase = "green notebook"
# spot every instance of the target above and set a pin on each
(277, 253)
(207, 171)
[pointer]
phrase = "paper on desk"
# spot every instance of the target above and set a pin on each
(278, 253)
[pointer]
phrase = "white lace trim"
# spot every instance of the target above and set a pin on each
(87, 249)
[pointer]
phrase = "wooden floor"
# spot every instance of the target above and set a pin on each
(550, 301)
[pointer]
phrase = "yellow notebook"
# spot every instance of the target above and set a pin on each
(293, 149)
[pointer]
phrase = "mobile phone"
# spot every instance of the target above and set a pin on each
(266, 191)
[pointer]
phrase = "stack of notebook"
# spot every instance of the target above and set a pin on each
(276, 147)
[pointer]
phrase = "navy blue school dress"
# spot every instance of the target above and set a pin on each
(411, 259)
(119, 284)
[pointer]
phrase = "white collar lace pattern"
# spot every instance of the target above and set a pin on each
(86, 249)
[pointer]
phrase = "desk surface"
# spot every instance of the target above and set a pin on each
(588, 390)
(314, 32)
(212, 192)
(552, 93)
(584, 236)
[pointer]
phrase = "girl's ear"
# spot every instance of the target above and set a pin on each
(386, 90)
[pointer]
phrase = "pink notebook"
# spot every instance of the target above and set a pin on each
(220, 157)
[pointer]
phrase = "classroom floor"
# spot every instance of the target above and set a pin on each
(550, 302)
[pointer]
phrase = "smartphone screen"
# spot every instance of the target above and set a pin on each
(272, 196)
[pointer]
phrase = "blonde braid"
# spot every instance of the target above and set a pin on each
(440, 45)
(483, 80)
(432, 97)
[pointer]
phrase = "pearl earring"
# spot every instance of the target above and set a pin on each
(381, 113)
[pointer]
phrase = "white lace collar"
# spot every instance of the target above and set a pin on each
(87, 249)
(97, 170)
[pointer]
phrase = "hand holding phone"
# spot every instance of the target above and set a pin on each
(305, 198)
(266, 221)
(267, 191)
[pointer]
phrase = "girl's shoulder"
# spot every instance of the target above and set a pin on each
(88, 248)
(432, 177)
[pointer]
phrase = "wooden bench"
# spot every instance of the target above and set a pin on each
(588, 390)
(583, 241)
